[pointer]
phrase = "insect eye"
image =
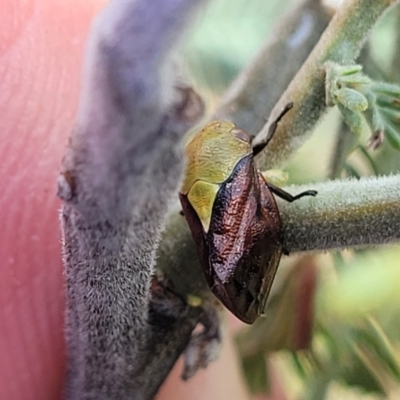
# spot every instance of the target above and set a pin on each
(241, 135)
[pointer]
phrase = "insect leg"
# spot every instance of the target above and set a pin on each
(261, 146)
(287, 196)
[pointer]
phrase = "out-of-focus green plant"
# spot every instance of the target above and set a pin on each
(357, 96)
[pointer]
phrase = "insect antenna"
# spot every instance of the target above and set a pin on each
(287, 196)
(261, 146)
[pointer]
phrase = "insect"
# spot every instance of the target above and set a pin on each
(233, 216)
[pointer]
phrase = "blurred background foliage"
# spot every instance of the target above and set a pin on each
(332, 329)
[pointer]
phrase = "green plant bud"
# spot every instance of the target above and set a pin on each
(374, 119)
(352, 99)
(392, 135)
(353, 119)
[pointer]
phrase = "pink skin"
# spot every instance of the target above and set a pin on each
(41, 49)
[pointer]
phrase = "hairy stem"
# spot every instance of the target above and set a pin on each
(251, 97)
(131, 118)
(345, 143)
(345, 213)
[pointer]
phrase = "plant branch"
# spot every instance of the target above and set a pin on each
(341, 43)
(345, 143)
(251, 97)
(345, 213)
(128, 133)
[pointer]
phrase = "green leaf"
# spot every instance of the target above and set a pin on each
(392, 135)
(352, 172)
(372, 114)
(359, 79)
(353, 119)
(377, 127)
(345, 70)
(317, 387)
(392, 115)
(298, 364)
(358, 374)
(352, 99)
(255, 370)
(382, 347)
(377, 123)
(370, 160)
(383, 115)
(386, 88)
(388, 101)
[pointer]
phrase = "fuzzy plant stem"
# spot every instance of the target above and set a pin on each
(346, 141)
(123, 164)
(345, 213)
(341, 43)
(251, 97)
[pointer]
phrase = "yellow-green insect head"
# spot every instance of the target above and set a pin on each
(212, 156)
